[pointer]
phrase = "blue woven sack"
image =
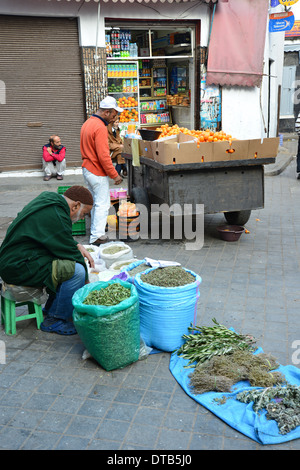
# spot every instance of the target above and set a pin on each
(166, 312)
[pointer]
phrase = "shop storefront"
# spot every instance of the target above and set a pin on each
(152, 72)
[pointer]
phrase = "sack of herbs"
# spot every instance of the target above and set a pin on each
(168, 305)
(106, 317)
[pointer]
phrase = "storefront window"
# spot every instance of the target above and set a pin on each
(151, 74)
(128, 43)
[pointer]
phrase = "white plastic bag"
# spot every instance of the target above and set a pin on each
(109, 259)
(118, 266)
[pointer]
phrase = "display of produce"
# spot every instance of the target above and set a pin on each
(129, 102)
(200, 136)
(123, 82)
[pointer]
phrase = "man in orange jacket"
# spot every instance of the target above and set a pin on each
(97, 166)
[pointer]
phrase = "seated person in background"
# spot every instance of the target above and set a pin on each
(54, 161)
(116, 147)
(39, 251)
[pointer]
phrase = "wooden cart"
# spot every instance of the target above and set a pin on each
(233, 187)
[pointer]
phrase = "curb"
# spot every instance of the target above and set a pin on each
(279, 170)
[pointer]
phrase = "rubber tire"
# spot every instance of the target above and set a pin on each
(237, 217)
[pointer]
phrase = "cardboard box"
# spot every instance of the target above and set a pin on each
(146, 149)
(127, 145)
(182, 148)
(266, 149)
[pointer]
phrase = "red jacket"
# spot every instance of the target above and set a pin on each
(94, 148)
(57, 155)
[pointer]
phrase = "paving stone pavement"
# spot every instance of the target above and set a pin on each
(50, 398)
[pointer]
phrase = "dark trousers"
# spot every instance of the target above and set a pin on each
(120, 166)
(298, 156)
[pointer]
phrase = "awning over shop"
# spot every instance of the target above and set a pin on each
(236, 47)
(291, 47)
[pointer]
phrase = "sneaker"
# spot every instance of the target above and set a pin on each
(47, 178)
(100, 241)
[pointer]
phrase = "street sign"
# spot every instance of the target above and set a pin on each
(281, 21)
(292, 33)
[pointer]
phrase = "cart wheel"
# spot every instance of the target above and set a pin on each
(237, 217)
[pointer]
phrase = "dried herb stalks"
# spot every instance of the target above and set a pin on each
(221, 372)
(212, 341)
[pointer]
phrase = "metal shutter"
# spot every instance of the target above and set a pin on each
(40, 66)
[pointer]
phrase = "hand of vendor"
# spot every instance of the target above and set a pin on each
(118, 179)
(86, 254)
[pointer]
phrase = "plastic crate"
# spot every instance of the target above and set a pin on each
(79, 227)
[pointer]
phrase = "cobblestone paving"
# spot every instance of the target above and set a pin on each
(50, 398)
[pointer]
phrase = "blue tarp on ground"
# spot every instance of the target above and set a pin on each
(239, 416)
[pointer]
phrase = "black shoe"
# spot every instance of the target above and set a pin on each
(47, 178)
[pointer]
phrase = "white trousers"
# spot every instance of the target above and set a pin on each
(51, 170)
(99, 187)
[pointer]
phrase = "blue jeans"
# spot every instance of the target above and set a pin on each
(61, 305)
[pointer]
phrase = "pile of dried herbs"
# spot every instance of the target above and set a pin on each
(113, 294)
(220, 373)
(138, 269)
(170, 276)
(216, 340)
(282, 404)
(112, 250)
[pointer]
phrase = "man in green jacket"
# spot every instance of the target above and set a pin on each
(40, 251)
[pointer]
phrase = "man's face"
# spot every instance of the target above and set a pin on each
(56, 142)
(112, 115)
(82, 211)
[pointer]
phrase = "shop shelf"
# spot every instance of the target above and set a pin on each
(79, 227)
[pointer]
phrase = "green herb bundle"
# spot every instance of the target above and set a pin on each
(207, 342)
(108, 296)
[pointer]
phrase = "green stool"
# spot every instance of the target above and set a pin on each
(9, 318)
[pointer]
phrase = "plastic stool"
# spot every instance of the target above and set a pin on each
(9, 318)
